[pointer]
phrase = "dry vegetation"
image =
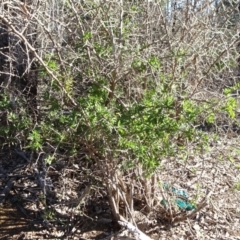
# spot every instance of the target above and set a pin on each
(117, 113)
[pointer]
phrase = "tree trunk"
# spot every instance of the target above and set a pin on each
(4, 53)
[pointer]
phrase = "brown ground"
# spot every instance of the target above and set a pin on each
(77, 208)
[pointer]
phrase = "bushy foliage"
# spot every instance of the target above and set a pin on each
(130, 83)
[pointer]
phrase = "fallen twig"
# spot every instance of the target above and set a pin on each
(134, 230)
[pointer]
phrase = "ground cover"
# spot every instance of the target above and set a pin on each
(77, 207)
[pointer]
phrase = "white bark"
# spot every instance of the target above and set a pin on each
(134, 230)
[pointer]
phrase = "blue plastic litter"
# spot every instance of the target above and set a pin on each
(183, 204)
(181, 198)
